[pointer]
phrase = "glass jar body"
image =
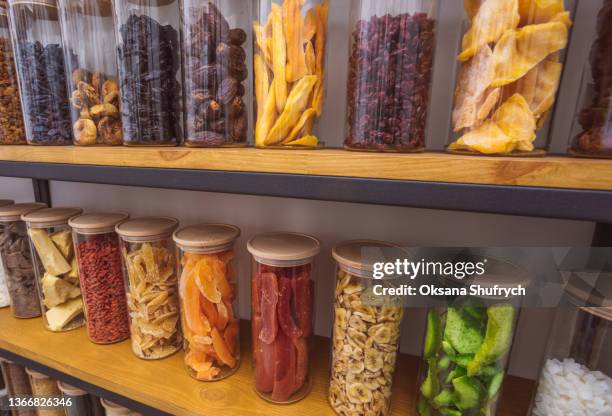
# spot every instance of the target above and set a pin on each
(208, 292)
(19, 270)
(57, 276)
(12, 130)
(91, 70)
(149, 66)
(465, 355)
(508, 77)
(390, 67)
(365, 344)
(39, 58)
(290, 41)
(17, 384)
(577, 367)
(592, 131)
(44, 387)
(101, 276)
(282, 339)
(215, 88)
(152, 298)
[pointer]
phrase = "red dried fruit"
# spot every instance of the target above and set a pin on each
(284, 368)
(285, 320)
(301, 371)
(269, 300)
(302, 297)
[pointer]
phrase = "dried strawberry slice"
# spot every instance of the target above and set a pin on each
(302, 297)
(284, 368)
(268, 300)
(285, 320)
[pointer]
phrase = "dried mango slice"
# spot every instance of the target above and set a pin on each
(563, 17)
(539, 11)
(518, 51)
(222, 316)
(191, 307)
(206, 281)
(262, 40)
(265, 122)
(306, 117)
(210, 311)
(492, 20)
(231, 336)
(262, 83)
(311, 64)
(293, 25)
(310, 24)
(319, 89)
(487, 138)
(472, 102)
(539, 86)
(279, 60)
(296, 103)
(515, 119)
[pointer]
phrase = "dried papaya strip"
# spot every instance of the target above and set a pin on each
(279, 59)
(221, 349)
(265, 122)
(262, 83)
(285, 320)
(302, 296)
(311, 64)
(293, 25)
(296, 103)
(269, 300)
(306, 118)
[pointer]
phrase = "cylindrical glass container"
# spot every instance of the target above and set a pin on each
(39, 59)
(12, 130)
(55, 265)
(282, 292)
(510, 64)
(113, 409)
(215, 72)
(4, 295)
(148, 56)
(389, 79)
(44, 386)
(83, 404)
(365, 338)
(290, 41)
(592, 132)
(17, 384)
(151, 285)
(577, 375)
(17, 260)
(91, 69)
(101, 275)
(208, 291)
(467, 347)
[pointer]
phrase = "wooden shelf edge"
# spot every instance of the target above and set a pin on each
(163, 387)
(550, 171)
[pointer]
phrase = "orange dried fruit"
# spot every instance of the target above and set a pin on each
(208, 309)
(223, 316)
(194, 319)
(231, 336)
(206, 282)
(222, 349)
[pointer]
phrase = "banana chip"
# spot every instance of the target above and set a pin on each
(492, 20)
(152, 301)
(518, 51)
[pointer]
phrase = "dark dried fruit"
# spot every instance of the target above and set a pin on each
(389, 81)
(215, 67)
(12, 130)
(227, 90)
(148, 64)
(239, 128)
(237, 37)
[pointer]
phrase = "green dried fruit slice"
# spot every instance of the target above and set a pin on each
(433, 336)
(468, 393)
(498, 337)
(463, 332)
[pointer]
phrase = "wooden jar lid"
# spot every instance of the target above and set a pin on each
(48, 217)
(206, 236)
(96, 223)
(147, 228)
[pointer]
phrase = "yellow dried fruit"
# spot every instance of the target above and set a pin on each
(104, 110)
(539, 11)
(293, 25)
(311, 64)
(266, 119)
(515, 119)
(279, 60)
(518, 51)
(310, 25)
(110, 131)
(296, 103)
(492, 20)
(262, 83)
(304, 121)
(471, 7)
(109, 86)
(308, 141)
(319, 90)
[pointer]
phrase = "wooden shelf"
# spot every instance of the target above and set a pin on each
(118, 375)
(556, 172)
